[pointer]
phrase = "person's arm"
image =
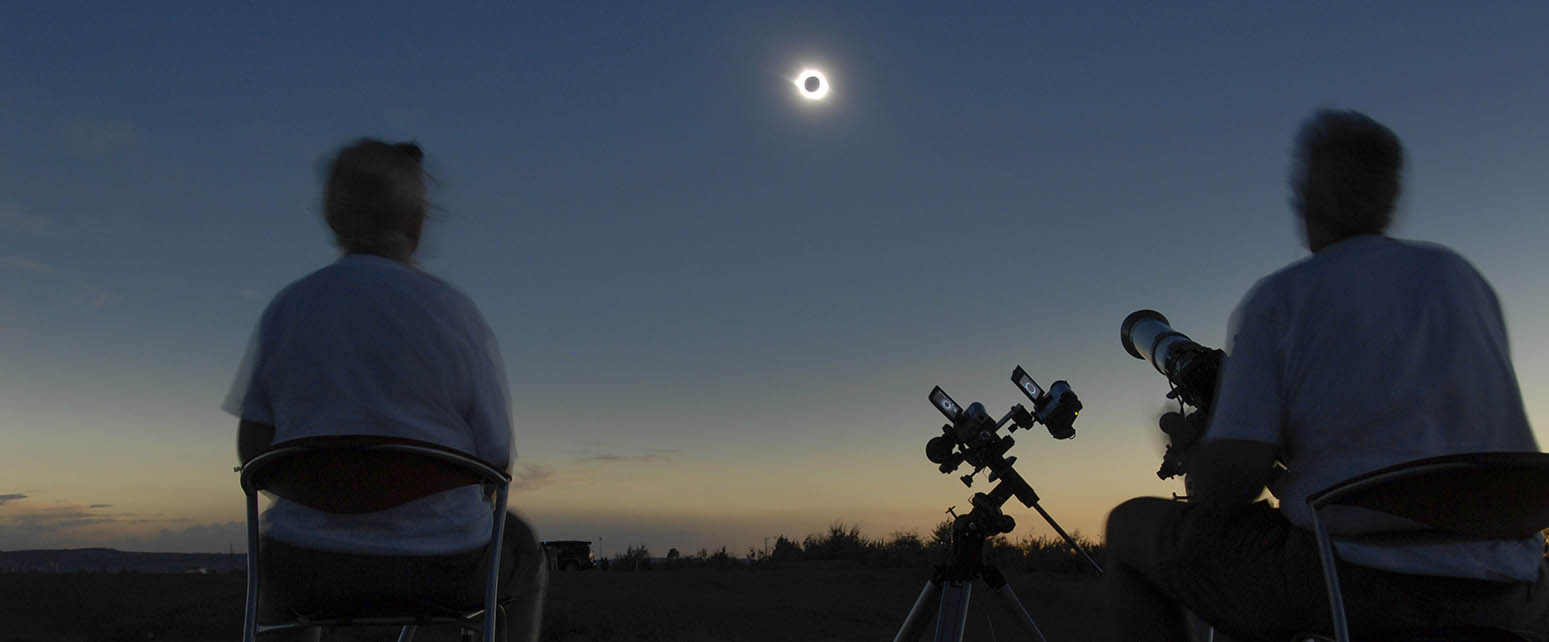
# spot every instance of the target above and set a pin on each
(1236, 458)
(1229, 473)
(248, 400)
(253, 439)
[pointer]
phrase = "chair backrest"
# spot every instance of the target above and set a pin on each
(1492, 494)
(359, 474)
(362, 474)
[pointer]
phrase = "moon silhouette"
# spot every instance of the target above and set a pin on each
(812, 84)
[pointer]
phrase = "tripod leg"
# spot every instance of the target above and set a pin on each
(1008, 599)
(915, 621)
(952, 615)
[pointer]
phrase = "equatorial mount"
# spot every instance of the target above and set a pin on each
(973, 438)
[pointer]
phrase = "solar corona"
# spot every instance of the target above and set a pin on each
(812, 84)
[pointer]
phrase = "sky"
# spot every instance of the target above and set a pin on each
(721, 307)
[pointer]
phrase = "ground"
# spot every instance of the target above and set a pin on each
(830, 605)
(723, 605)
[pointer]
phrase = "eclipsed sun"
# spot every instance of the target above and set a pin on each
(812, 84)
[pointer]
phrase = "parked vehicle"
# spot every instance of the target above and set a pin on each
(568, 554)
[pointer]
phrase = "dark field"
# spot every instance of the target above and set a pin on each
(828, 604)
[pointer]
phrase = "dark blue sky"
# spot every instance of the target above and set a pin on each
(721, 306)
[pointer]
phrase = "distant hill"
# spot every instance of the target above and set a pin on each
(111, 560)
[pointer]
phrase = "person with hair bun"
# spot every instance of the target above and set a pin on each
(1369, 353)
(374, 200)
(373, 346)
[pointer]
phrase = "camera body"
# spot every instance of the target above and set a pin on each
(1057, 410)
(973, 436)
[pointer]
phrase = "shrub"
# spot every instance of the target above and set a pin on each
(839, 543)
(635, 558)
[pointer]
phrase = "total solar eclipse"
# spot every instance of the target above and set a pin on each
(812, 84)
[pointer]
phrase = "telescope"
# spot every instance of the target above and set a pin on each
(971, 437)
(1193, 371)
(1191, 368)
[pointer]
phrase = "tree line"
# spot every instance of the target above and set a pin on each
(845, 545)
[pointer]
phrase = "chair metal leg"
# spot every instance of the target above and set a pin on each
(490, 623)
(492, 582)
(1331, 579)
(250, 612)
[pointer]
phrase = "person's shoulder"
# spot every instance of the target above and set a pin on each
(364, 270)
(347, 273)
(452, 296)
(1296, 271)
(297, 289)
(459, 298)
(1279, 283)
(1280, 289)
(1435, 254)
(1370, 253)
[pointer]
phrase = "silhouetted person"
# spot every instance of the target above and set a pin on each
(1369, 353)
(371, 345)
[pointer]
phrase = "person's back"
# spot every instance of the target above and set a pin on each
(1382, 352)
(372, 347)
(1369, 353)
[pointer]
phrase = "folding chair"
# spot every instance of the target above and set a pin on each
(351, 475)
(1495, 495)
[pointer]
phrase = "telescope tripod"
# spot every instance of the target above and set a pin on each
(965, 563)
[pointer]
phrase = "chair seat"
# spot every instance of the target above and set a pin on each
(1478, 494)
(388, 609)
(1442, 634)
(470, 620)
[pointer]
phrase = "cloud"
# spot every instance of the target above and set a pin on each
(212, 537)
(654, 455)
(24, 263)
(102, 137)
(62, 524)
(94, 297)
(14, 220)
(531, 477)
(28, 523)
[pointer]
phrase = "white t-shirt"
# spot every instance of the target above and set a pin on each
(371, 346)
(1370, 353)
